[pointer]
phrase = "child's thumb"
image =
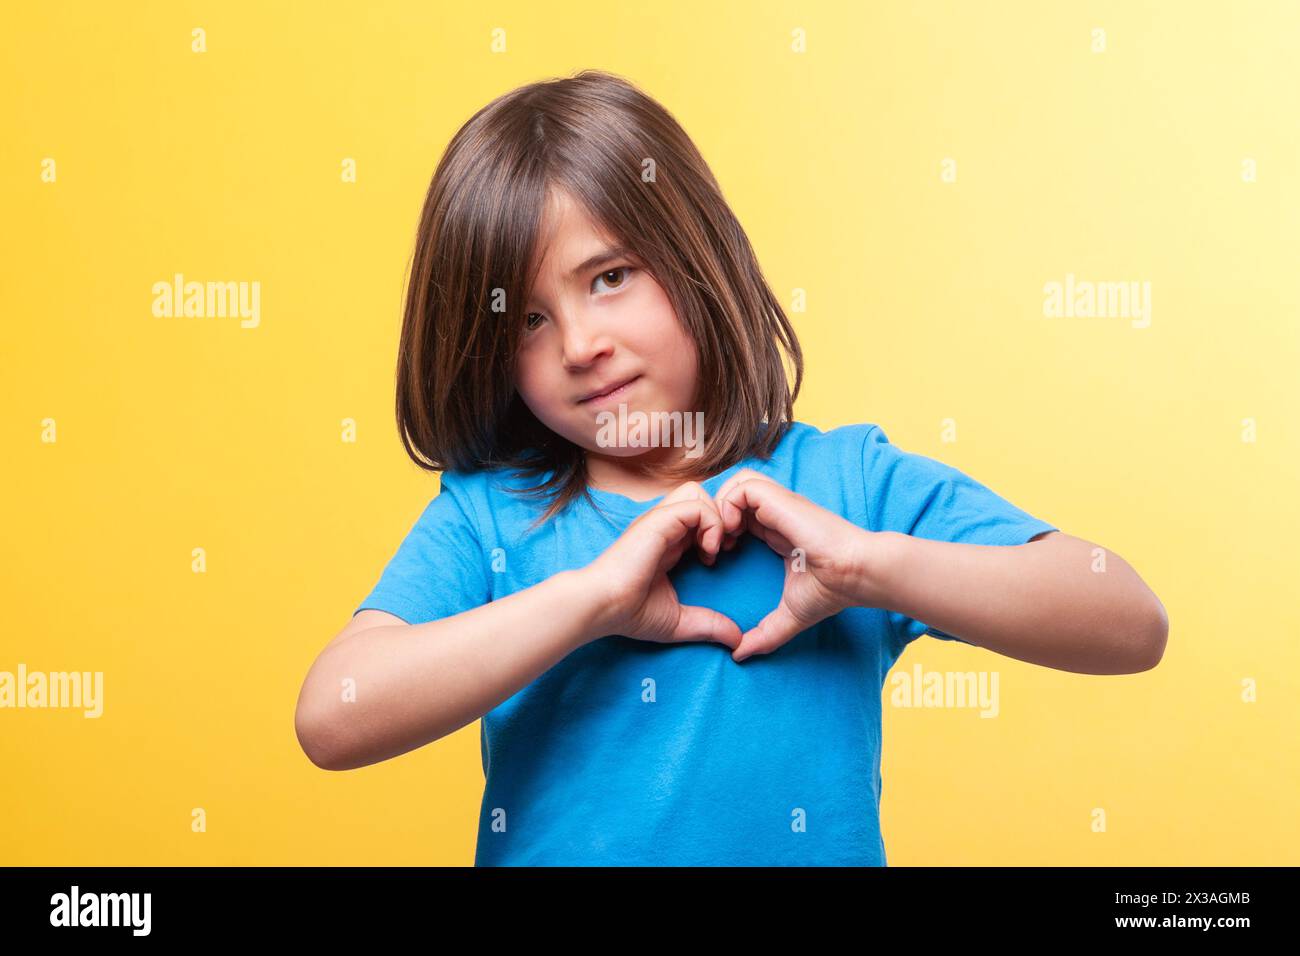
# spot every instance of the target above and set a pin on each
(704, 624)
(770, 633)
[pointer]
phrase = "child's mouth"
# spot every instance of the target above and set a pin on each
(611, 395)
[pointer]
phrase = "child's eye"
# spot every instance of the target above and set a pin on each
(621, 271)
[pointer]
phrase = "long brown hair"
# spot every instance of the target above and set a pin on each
(626, 160)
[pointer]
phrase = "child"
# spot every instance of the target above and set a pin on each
(677, 652)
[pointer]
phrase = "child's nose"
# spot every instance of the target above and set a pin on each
(583, 344)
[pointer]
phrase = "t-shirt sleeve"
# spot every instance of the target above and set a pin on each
(439, 568)
(924, 498)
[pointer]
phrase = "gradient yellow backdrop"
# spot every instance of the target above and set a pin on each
(924, 304)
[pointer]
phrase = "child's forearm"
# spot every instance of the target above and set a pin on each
(1046, 602)
(416, 683)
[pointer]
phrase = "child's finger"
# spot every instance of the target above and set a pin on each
(705, 624)
(709, 517)
(760, 505)
(678, 525)
(711, 535)
(773, 631)
(723, 493)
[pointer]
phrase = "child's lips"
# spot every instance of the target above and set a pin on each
(611, 396)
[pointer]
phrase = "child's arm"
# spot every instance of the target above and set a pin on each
(415, 683)
(1045, 602)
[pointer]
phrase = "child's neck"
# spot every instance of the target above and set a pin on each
(608, 473)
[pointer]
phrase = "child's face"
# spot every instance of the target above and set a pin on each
(607, 323)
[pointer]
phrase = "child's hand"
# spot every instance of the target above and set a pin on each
(640, 602)
(824, 576)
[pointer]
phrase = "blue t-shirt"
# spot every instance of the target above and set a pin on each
(636, 753)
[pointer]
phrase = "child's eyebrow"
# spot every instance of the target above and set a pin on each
(599, 259)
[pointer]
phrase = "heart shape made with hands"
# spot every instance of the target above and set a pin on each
(823, 555)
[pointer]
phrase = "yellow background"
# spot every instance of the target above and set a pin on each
(924, 303)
